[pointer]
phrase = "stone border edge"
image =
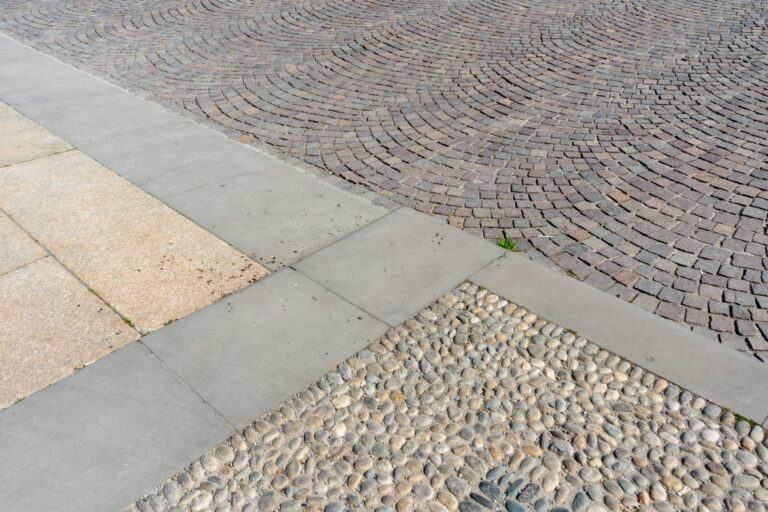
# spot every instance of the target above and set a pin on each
(690, 360)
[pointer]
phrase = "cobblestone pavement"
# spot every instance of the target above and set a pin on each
(623, 140)
(475, 405)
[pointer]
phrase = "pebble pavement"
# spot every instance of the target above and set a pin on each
(622, 140)
(476, 404)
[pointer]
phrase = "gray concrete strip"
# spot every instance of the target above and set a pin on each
(268, 209)
(277, 218)
(398, 264)
(28, 77)
(99, 438)
(249, 352)
(694, 362)
(71, 104)
(165, 162)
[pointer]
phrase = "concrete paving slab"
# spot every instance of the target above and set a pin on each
(28, 77)
(84, 118)
(102, 437)
(696, 363)
(73, 105)
(398, 264)
(17, 248)
(249, 352)
(166, 161)
(50, 325)
(277, 215)
(147, 261)
(22, 140)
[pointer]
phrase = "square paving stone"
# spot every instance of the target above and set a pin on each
(17, 248)
(277, 214)
(50, 325)
(399, 264)
(144, 259)
(22, 140)
(247, 353)
(98, 439)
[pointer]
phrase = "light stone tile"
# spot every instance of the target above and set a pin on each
(22, 140)
(144, 259)
(50, 325)
(16, 247)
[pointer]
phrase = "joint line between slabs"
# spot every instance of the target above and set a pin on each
(55, 153)
(347, 235)
(372, 315)
(49, 254)
(188, 386)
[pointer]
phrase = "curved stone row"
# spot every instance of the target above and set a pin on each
(623, 140)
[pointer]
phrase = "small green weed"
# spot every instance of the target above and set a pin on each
(507, 243)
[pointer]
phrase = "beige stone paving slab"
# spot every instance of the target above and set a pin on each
(16, 247)
(22, 140)
(147, 261)
(50, 325)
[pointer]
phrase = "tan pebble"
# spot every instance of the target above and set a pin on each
(341, 401)
(447, 500)
(509, 309)
(748, 444)
(532, 450)
(672, 482)
(354, 480)
(403, 488)
(396, 442)
(314, 422)
(436, 506)
(495, 452)
(225, 453)
(550, 482)
(516, 459)
(404, 504)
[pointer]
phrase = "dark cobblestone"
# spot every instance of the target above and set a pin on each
(604, 135)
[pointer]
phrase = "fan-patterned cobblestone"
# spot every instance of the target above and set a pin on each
(623, 140)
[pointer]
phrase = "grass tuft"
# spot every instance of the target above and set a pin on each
(507, 243)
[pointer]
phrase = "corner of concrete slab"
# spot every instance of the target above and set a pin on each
(398, 264)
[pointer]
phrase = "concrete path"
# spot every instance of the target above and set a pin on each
(476, 404)
(89, 261)
(625, 145)
(347, 271)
